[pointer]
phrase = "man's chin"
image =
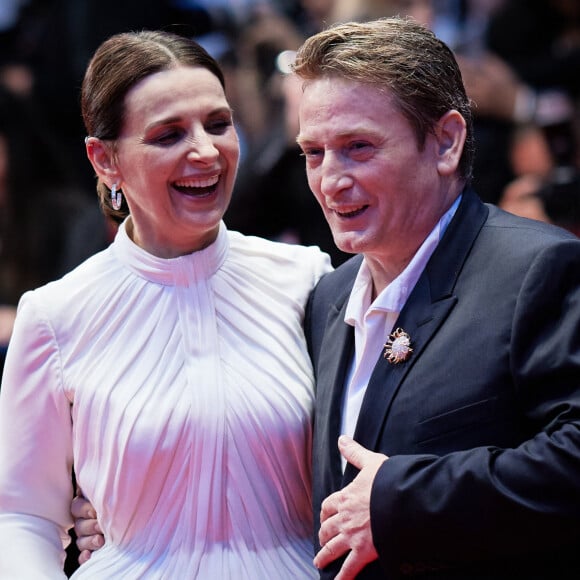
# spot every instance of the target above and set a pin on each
(351, 243)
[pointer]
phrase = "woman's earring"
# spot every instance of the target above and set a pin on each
(116, 197)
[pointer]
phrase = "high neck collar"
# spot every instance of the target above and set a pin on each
(180, 271)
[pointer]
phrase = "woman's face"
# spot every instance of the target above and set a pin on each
(176, 160)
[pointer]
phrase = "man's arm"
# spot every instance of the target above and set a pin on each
(502, 500)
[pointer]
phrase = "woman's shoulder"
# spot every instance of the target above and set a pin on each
(76, 286)
(281, 254)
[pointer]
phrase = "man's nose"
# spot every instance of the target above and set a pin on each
(334, 178)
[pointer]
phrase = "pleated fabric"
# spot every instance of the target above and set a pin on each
(182, 392)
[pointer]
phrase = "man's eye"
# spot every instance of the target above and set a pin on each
(358, 145)
(311, 152)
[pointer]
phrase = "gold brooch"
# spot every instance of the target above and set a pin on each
(398, 347)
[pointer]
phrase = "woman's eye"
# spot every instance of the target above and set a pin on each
(219, 126)
(168, 137)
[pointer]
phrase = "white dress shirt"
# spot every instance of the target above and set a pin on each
(374, 322)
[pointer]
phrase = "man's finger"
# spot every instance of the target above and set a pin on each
(351, 567)
(89, 528)
(84, 556)
(329, 507)
(332, 550)
(82, 508)
(90, 541)
(328, 530)
(353, 452)
(358, 455)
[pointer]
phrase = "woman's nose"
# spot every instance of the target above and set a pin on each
(202, 148)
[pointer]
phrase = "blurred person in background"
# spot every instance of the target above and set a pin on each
(272, 198)
(520, 68)
(540, 41)
(40, 205)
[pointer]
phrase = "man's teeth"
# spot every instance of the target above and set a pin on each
(208, 182)
(351, 212)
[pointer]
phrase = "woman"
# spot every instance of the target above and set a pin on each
(170, 370)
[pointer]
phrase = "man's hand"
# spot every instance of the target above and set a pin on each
(345, 516)
(89, 534)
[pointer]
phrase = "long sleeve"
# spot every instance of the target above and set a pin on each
(35, 453)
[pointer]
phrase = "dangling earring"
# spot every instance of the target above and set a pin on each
(116, 197)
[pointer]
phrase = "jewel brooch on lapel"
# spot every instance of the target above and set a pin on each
(398, 347)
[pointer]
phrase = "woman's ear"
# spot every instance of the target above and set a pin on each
(102, 158)
(451, 131)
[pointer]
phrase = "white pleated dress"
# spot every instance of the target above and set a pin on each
(183, 392)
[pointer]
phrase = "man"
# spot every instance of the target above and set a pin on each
(450, 348)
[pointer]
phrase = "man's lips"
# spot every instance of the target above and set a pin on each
(351, 213)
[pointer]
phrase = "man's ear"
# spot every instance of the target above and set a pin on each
(102, 157)
(451, 131)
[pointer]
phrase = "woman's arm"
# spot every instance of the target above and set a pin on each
(35, 451)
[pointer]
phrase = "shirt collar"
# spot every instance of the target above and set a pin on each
(180, 271)
(394, 296)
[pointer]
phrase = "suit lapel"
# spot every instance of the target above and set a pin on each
(336, 353)
(425, 311)
(420, 319)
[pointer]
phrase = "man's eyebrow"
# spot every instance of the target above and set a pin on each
(347, 134)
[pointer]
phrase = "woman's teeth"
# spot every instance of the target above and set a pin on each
(193, 183)
(196, 186)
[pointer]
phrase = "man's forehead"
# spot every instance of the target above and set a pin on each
(346, 118)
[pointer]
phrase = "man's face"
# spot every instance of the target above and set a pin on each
(381, 194)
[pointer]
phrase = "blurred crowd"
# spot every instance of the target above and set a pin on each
(520, 60)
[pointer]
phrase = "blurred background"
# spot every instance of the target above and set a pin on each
(520, 60)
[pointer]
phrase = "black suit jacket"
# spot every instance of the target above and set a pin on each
(482, 422)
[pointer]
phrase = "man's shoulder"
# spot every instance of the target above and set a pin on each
(340, 280)
(524, 235)
(502, 219)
